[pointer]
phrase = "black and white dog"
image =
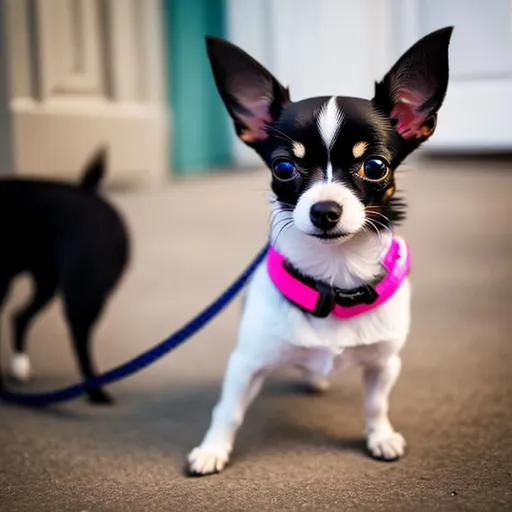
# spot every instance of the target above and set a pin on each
(334, 290)
(69, 240)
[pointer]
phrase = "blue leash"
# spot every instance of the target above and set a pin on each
(148, 357)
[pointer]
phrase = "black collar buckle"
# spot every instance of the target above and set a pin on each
(363, 295)
(329, 296)
(326, 300)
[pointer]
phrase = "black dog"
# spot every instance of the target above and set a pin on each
(69, 240)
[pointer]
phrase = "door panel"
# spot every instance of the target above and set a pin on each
(478, 105)
(320, 47)
(482, 43)
(84, 74)
(70, 48)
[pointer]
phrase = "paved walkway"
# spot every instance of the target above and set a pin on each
(295, 452)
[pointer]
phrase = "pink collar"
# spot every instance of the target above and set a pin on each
(320, 299)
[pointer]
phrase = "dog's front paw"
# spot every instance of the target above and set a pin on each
(20, 367)
(207, 460)
(388, 446)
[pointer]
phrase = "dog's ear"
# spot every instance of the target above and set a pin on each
(414, 89)
(253, 97)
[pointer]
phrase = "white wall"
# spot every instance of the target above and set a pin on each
(248, 28)
(476, 114)
(327, 47)
(317, 47)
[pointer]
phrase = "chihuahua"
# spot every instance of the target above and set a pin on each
(334, 290)
(68, 239)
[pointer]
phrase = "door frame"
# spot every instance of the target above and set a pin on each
(200, 137)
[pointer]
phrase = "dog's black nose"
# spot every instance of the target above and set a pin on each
(325, 214)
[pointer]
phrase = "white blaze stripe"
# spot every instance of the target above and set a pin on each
(329, 122)
(329, 172)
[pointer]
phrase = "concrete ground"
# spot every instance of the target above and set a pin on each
(296, 451)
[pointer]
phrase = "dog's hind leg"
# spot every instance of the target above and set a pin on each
(4, 288)
(241, 385)
(81, 324)
(45, 287)
(86, 282)
(83, 303)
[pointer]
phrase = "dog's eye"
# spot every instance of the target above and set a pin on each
(374, 169)
(284, 170)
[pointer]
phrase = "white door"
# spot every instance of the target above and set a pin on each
(341, 46)
(478, 108)
(85, 74)
(317, 47)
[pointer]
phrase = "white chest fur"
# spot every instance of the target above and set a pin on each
(277, 332)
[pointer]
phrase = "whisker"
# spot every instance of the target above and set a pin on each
(285, 209)
(387, 228)
(276, 222)
(375, 212)
(273, 215)
(280, 137)
(283, 203)
(279, 133)
(285, 227)
(379, 221)
(376, 232)
(278, 216)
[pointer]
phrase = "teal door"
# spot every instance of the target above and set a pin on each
(199, 136)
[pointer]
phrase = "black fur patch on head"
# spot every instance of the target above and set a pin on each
(359, 122)
(401, 116)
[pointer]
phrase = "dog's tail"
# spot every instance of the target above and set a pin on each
(94, 171)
